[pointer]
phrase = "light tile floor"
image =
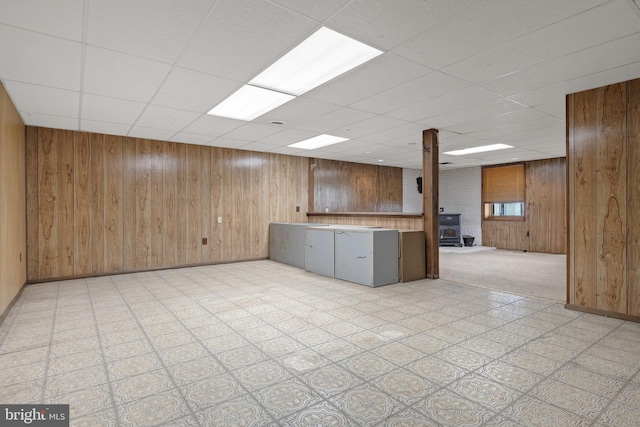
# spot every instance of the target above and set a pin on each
(265, 344)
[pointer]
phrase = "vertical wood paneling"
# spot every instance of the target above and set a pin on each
(130, 203)
(633, 195)
(611, 197)
(48, 202)
(135, 204)
(13, 227)
(98, 260)
(113, 221)
(354, 187)
(217, 208)
(65, 203)
(143, 204)
(156, 205)
(230, 239)
(193, 205)
(206, 197)
(584, 198)
(83, 176)
(33, 267)
(181, 206)
(169, 181)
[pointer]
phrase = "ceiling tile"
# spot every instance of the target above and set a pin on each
(123, 76)
(190, 138)
(449, 102)
(406, 130)
(212, 126)
(470, 114)
(318, 10)
(386, 24)
(35, 58)
(194, 91)
(242, 37)
(485, 25)
(368, 127)
(258, 146)
(48, 121)
(556, 109)
(60, 18)
(589, 61)
(591, 28)
(497, 121)
(297, 111)
(103, 127)
(158, 134)
(166, 118)
(288, 136)
(30, 98)
(335, 120)
(126, 26)
(419, 90)
(381, 73)
(111, 110)
(253, 132)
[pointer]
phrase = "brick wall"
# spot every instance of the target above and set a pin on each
(461, 192)
(411, 199)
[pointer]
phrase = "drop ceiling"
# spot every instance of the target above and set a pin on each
(480, 71)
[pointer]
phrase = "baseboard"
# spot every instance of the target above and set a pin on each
(11, 304)
(115, 273)
(605, 313)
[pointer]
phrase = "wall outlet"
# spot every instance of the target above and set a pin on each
(204, 240)
(297, 208)
(219, 220)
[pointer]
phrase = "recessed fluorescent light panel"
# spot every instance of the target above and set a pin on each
(318, 141)
(250, 102)
(481, 149)
(321, 57)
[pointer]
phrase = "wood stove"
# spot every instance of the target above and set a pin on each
(450, 230)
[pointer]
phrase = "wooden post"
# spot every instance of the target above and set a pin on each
(430, 182)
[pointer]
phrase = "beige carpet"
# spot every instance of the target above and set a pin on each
(524, 273)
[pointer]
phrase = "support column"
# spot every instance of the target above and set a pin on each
(430, 208)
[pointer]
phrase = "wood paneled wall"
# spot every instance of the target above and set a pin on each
(103, 204)
(13, 249)
(355, 187)
(603, 138)
(545, 212)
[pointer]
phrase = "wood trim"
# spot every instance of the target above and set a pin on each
(600, 312)
(369, 214)
(430, 201)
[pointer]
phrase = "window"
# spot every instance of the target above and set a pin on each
(503, 192)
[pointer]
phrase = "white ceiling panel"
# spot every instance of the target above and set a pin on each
(191, 138)
(379, 74)
(28, 99)
(589, 61)
(496, 107)
(499, 69)
(156, 29)
(121, 75)
(485, 25)
(111, 110)
(39, 59)
(596, 26)
(297, 111)
(253, 132)
(60, 18)
(447, 103)
(239, 38)
(318, 10)
(49, 121)
(368, 127)
(386, 24)
(212, 126)
(421, 89)
(194, 91)
(335, 120)
(166, 118)
(103, 127)
(148, 133)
